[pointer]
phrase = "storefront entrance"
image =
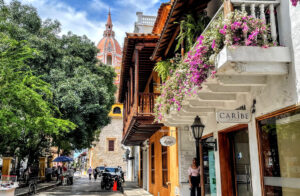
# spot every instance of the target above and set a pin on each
(235, 161)
(208, 177)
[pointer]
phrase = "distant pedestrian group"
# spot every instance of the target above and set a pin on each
(95, 173)
(64, 173)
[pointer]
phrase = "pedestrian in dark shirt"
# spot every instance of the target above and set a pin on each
(95, 173)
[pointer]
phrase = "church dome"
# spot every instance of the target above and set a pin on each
(110, 52)
(109, 45)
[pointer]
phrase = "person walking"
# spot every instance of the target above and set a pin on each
(194, 178)
(59, 174)
(71, 175)
(90, 171)
(95, 173)
(48, 174)
(27, 174)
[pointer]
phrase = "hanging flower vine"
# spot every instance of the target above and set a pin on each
(295, 2)
(237, 29)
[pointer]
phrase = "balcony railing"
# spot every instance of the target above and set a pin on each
(257, 9)
(146, 103)
(260, 9)
(144, 107)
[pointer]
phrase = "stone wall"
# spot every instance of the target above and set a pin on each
(100, 155)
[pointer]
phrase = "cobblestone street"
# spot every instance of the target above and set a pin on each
(81, 186)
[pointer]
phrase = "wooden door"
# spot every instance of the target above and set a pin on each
(235, 161)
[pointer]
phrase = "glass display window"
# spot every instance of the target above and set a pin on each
(279, 136)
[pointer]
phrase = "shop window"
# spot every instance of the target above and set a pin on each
(208, 164)
(280, 154)
(152, 164)
(117, 110)
(164, 158)
(109, 60)
(111, 145)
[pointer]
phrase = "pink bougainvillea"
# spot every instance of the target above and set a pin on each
(295, 2)
(238, 29)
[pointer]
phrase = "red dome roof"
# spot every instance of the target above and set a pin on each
(109, 44)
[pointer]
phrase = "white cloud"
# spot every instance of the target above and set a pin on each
(99, 5)
(79, 23)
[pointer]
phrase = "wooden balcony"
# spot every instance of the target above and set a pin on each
(138, 119)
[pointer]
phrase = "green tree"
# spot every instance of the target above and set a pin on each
(27, 117)
(82, 88)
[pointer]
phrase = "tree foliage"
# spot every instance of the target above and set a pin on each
(82, 88)
(27, 116)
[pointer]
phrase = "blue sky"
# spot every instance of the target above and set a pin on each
(88, 17)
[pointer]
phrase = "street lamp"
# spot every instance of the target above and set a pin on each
(197, 128)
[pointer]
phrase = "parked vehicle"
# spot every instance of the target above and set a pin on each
(114, 171)
(100, 170)
(108, 181)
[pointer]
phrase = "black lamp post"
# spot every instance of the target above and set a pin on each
(197, 128)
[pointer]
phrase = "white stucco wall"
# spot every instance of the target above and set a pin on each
(136, 163)
(129, 176)
(295, 46)
(145, 168)
(186, 153)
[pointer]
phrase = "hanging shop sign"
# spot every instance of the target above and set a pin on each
(167, 141)
(233, 116)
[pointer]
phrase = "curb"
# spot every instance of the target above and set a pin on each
(39, 189)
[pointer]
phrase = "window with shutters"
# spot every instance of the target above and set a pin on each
(111, 145)
(164, 154)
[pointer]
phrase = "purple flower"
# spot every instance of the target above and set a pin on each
(213, 44)
(248, 42)
(245, 27)
(223, 30)
(200, 38)
(253, 34)
(294, 2)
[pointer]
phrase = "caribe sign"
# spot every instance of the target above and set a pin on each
(233, 116)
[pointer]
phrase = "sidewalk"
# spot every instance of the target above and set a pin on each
(40, 187)
(132, 189)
